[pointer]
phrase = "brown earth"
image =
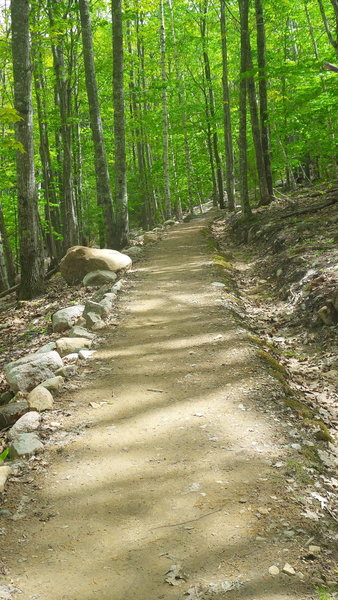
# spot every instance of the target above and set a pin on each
(184, 463)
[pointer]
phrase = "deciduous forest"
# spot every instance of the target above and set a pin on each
(126, 114)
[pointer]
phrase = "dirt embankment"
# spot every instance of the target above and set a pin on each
(174, 468)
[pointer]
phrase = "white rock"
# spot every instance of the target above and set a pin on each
(68, 345)
(72, 357)
(86, 354)
(218, 284)
(27, 372)
(26, 424)
(288, 569)
(40, 399)
(66, 317)
(81, 260)
(273, 570)
(4, 474)
(98, 278)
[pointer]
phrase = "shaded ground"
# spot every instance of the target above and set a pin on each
(184, 462)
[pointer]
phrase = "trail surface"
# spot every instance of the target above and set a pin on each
(175, 469)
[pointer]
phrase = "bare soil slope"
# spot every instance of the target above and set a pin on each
(181, 464)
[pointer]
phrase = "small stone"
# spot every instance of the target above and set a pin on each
(53, 383)
(40, 399)
(46, 348)
(279, 464)
(273, 570)
(289, 533)
(4, 474)
(67, 371)
(218, 284)
(288, 570)
(117, 286)
(68, 345)
(26, 444)
(315, 549)
(296, 446)
(80, 332)
(94, 321)
(243, 500)
(72, 357)
(263, 511)
(86, 354)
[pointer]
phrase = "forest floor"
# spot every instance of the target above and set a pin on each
(177, 470)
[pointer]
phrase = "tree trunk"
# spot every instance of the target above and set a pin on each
(121, 197)
(7, 250)
(211, 104)
(31, 254)
(165, 117)
(332, 40)
(229, 153)
(68, 210)
(243, 144)
(263, 94)
(103, 188)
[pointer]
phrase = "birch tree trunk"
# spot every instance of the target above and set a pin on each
(121, 197)
(31, 254)
(103, 188)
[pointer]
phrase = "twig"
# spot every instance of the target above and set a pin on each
(152, 390)
(190, 520)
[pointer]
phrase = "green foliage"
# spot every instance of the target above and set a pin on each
(4, 455)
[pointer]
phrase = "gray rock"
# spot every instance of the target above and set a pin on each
(27, 372)
(94, 321)
(67, 371)
(68, 345)
(66, 317)
(107, 305)
(93, 307)
(46, 348)
(6, 397)
(40, 399)
(80, 332)
(134, 252)
(218, 284)
(26, 444)
(5, 472)
(10, 413)
(98, 278)
(169, 222)
(53, 384)
(150, 237)
(117, 287)
(26, 424)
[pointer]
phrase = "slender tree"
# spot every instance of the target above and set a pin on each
(31, 254)
(243, 143)
(121, 197)
(165, 115)
(103, 188)
(229, 153)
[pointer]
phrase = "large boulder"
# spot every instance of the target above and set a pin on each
(27, 372)
(25, 444)
(98, 278)
(66, 317)
(81, 260)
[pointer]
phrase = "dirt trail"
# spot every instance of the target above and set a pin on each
(176, 469)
